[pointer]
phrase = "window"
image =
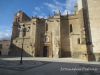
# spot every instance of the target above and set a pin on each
(0, 52)
(0, 46)
(24, 32)
(33, 23)
(23, 25)
(46, 27)
(71, 28)
(28, 27)
(78, 40)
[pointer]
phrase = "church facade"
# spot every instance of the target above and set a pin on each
(57, 36)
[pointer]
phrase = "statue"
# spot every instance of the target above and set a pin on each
(47, 39)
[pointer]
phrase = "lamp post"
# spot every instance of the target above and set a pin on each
(23, 30)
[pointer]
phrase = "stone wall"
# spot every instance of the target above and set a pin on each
(54, 31)
(93, 16)
(94, 21)
(65, 40)
(5, 47)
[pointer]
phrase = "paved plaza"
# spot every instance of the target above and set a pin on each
(48, 66)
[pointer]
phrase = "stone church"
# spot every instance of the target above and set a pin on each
(59, 35)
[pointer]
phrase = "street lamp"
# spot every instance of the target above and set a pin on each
(23, 30)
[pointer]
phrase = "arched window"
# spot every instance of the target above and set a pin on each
(71, 28)
(46, 27)
(24, 32)
(78, 40)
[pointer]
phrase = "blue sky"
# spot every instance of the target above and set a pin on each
(41, 8)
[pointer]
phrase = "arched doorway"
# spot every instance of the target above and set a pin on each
(45, 51)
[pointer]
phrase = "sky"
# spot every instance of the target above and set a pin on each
(41, 8)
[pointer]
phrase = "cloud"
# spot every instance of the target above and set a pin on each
(59, 3)
(65, 12)
(37, 8)
(45, 17)
(68, 6)
(51, 6)
(6, 34)
(55, 6)
(34, 13)
(39, 12)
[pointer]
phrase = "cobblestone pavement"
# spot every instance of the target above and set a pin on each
(39, 66)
